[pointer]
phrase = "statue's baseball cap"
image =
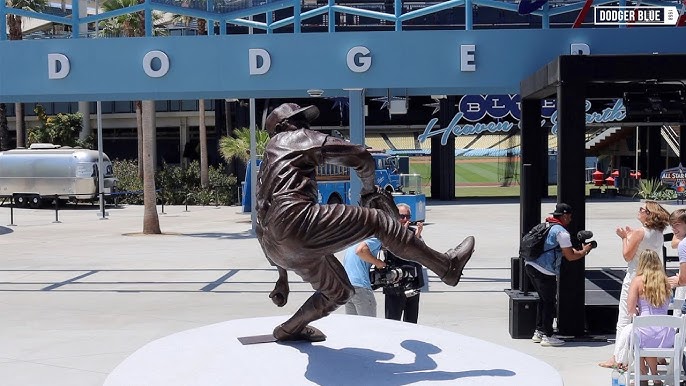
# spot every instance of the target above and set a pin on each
(289, 110)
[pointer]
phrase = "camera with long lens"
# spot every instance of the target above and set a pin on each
(396, 278)
(391, 276)
(583, 237)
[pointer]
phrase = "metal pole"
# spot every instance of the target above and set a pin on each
(57, 219)
(162, 199)
(253, 159)
(186, 201)
(11, 224)
(101, 173)
(102, 207)
(98, 104)
(253, 165)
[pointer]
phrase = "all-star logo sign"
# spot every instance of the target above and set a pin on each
(675, 178)
(504, 112)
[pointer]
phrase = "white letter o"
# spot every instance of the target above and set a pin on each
(164, 64)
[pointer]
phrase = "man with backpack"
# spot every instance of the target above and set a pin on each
(544, 269)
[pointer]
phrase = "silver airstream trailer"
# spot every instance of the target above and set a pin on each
(44, 171)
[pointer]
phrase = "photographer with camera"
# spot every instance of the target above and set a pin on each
(654, 219)
(543, 272)
(357, 262)
(402, 297)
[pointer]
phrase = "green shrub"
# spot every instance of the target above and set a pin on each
(126, 171)
(177, 185)
(654, 189)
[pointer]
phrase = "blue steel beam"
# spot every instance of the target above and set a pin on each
(75, 26)
(111, 14)
(3, 20)
(332, 16)
(658, 3)
(364, 12)
(431, 9)
(545, 16)
(36, 15)
(398, 8)
(249, 23)
(496, 4)
(303, 16)
(148, 19)
(296, 17)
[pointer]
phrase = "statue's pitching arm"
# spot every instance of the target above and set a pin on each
(340, 152)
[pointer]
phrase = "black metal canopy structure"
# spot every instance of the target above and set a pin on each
(653, 87)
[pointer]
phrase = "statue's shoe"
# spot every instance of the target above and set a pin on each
(459, 256)
(308, 333)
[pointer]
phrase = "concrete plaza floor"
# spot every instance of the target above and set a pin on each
(79, 296)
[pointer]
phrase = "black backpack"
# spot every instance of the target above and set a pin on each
(531, 245)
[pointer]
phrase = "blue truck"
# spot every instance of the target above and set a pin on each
(333, 182)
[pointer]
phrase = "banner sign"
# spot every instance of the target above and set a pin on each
(675, 178)
(505, 109)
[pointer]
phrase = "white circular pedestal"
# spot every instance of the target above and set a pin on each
(358, 351)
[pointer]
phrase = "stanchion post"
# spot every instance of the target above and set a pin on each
(57, 218)
(104, 214)
(162, 199)
(186, 201)
(12, 212)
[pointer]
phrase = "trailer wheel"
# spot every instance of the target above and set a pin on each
(34, 202)
(335, 199)
(20, 200)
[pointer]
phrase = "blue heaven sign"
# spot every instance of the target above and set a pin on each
(505, 110)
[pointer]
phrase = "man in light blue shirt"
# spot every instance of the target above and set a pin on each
(357, 262)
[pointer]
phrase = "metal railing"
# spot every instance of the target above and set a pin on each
(670, 136)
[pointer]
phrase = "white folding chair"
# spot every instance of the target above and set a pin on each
(674, 354)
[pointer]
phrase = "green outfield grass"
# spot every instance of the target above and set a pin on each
(480, 171)
(480, 177)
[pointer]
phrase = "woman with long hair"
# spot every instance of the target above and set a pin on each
(654, 219)
(649, 294)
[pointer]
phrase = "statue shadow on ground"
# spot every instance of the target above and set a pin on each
(350, 365)
(5, 230)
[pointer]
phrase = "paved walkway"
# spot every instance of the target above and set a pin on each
(79, 296)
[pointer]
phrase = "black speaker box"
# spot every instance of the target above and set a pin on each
(519, 280)
(514, 273)
(522, 314)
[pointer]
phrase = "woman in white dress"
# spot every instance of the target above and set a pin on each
(654, 219)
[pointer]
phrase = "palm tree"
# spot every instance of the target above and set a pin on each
(129, 25)
(132, 25)
(239, 146)
(151, 222)
(16, 33)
